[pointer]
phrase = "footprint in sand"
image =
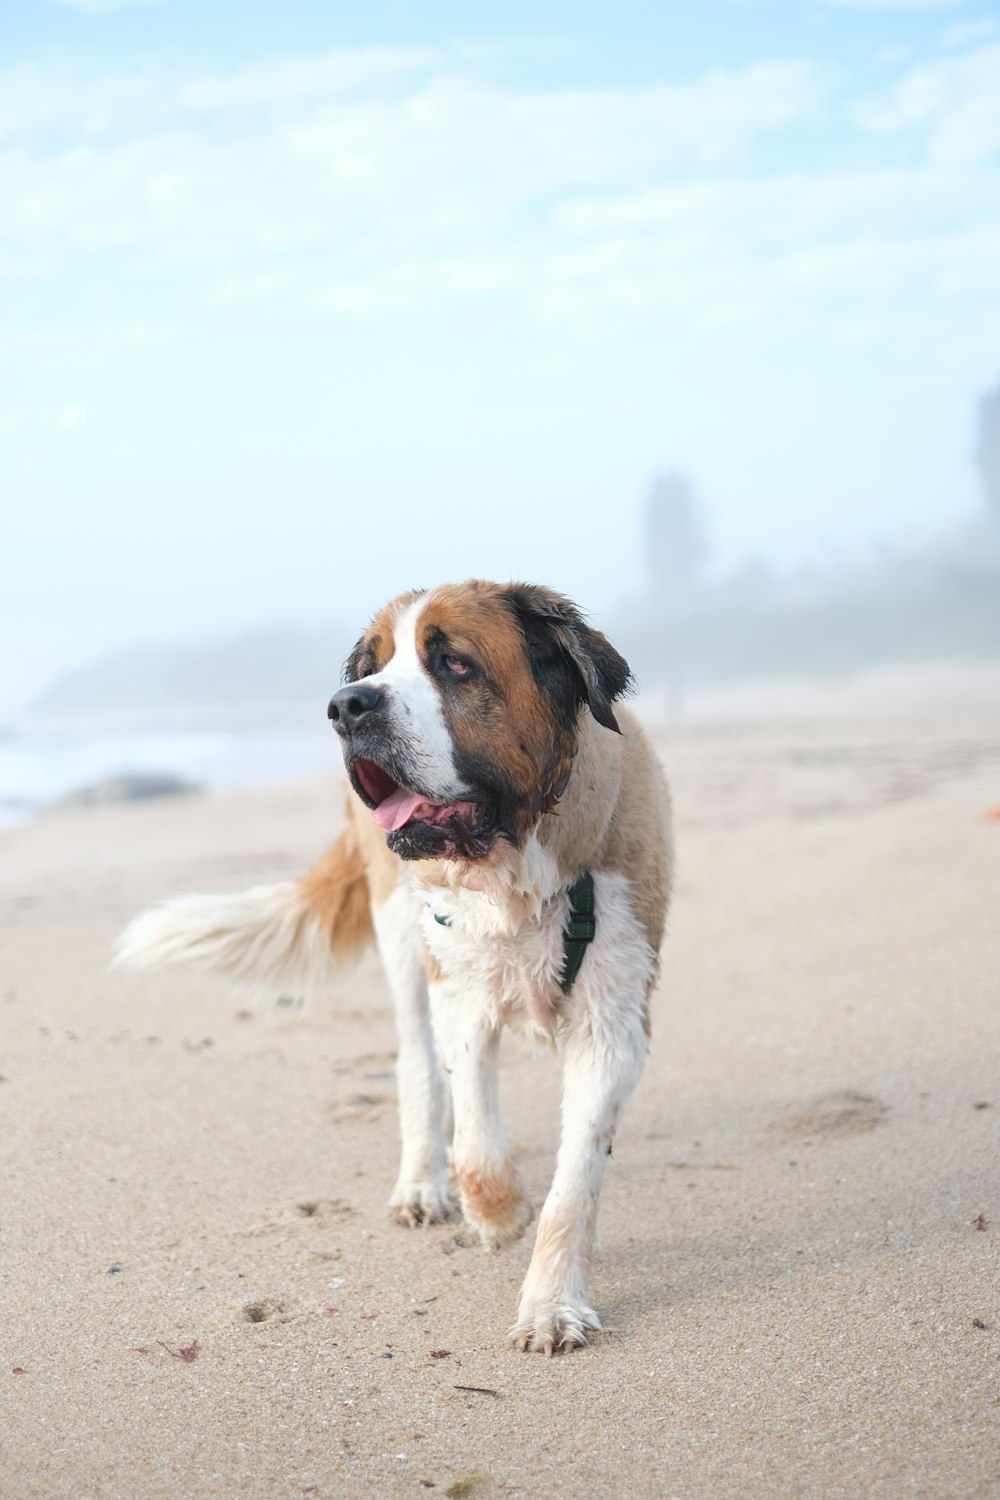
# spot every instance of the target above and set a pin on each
(322, 1208)
(265, 1310)
(364, 1108)
(842, 1112)
(325, 1211)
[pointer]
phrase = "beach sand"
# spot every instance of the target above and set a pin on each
(202, 1294)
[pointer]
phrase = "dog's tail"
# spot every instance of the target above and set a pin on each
(286, 939)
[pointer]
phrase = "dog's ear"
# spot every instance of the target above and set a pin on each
(570, 660)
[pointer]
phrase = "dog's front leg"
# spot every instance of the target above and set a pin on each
(421, 1194)
(493, 1200)
(602, 1066)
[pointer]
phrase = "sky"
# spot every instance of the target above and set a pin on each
(304, 304)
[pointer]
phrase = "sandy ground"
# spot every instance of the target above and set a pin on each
(801, 1222)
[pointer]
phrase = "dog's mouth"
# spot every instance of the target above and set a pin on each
(416, 826)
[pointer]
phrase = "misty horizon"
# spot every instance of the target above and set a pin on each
(308, 308)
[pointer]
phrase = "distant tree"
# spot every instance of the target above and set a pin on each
(676, 545)
(988, 450)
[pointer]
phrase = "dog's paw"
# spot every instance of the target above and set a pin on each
(554, 1327)
(424, 1202)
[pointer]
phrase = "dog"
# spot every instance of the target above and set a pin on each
(508, 847)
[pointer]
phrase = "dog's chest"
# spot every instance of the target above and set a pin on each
(514, 974)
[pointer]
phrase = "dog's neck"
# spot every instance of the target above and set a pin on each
(517, 883)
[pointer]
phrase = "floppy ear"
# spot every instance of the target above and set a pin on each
(573, 662)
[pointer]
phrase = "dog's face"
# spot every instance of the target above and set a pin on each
(459, 721)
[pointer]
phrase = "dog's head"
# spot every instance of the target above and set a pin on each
(459, 718)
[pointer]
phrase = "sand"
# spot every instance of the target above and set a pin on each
(201, 1293)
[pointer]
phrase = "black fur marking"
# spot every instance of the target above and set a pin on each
(571, 661)
(361, 662)
(450, 840)
(508, 808)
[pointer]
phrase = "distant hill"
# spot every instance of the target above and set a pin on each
(929, 607)
(723, 639)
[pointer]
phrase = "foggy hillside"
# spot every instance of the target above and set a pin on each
(753, 625)
(267, 678)
(903, 607)
(682, 627)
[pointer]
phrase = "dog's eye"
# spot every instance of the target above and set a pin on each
(455, 666)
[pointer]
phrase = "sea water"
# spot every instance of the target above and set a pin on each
(37, 770)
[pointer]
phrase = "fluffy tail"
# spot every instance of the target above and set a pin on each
(285, 939)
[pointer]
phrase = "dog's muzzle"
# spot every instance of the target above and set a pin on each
(352, 704)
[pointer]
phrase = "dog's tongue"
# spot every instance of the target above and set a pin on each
(398, 808)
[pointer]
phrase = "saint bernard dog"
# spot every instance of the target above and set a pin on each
(504, 811)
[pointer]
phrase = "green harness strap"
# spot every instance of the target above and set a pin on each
(579, 930)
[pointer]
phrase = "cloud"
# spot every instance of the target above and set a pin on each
(384, 183)
(102, 7)
(894, 4)
(15, 416)
(966, 33)
(293, 162)
(78, 346)
(950, 102)
(77, 98)
(70, 416)
(247, 288)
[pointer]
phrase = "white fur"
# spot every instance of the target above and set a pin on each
(266, 938)
(416, 701)
(421, 1193)
(516, 884)
(469, 1051)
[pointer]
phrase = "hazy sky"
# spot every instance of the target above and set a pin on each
(303, 303)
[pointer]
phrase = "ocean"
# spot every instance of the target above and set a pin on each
(36, 770)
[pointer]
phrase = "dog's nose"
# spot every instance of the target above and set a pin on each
(349, 705)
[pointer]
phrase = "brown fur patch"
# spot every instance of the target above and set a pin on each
(337, 891)
(500, 715)
(375, 648)
(494, 1198)
(647, 865)
(381, 866)
(635, 846)
(615, 816)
